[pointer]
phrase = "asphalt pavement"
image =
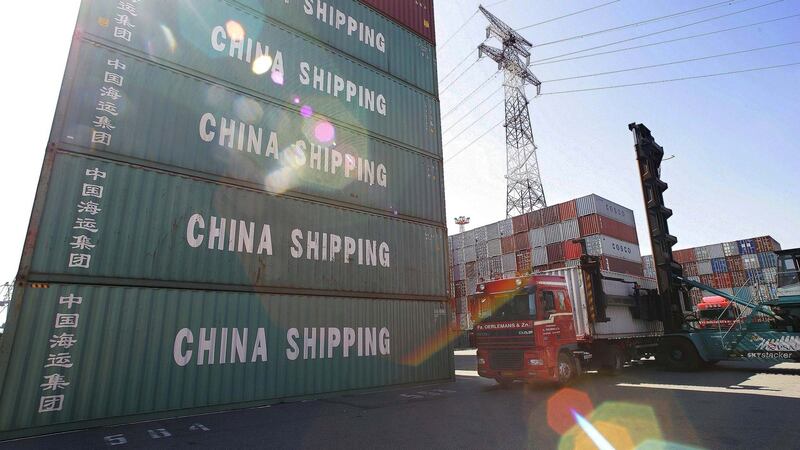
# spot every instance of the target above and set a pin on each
(728, 407)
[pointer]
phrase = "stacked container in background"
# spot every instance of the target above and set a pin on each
(745, 268)
(542, 240)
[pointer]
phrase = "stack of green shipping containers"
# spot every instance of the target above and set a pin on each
(241, 202)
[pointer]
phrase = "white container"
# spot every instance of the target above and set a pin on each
(458, 241)
(470, 254)
(509, 262)
(552, 234)
(594, 204)
(483, 269)
(492, 231)
(601, 245)
(704, 268)
(510, 274)
(715, 251)
(771, 275)
(539, 256)
(730, 248)
(536, 237)
(570, 230)
(469, 238)
(621, 323)
(458, 272)
(506, 228)
(701, 253)
(750, 261)
(458, 256)
(480, 234)
(494, 248)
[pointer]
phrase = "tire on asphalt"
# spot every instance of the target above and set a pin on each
(565, 369)
(678, 354)
(613, 361)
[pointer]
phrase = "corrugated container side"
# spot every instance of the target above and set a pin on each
(738, 278)
(552, 233)
(750, 261)
(708, 280)
(480, 235)
(715, 251)
(704, 268)
(701, 253)
(470, 270)
(510, 274)
(572, 250)
(458, 272)
(608, 246)
(766, 260)
(472, 283)
(594, 204)
(572, 263)
(719, 265)
(470, 254)
(621, 266)
(495, 266)
(537, 237)
(567, 210)
(747, 246)
(690, 268)
(597, 224)
(721, 280)
(555, 252)
(483, 269)
(124, 361)
(458, 256)
(556, 265)
(539, 269)
(460, 289)
(416, 15)
(494, 248)
(507, 244)
(570, 229)
(469, 238)
(754, 276)
(535, 219)
(540, 256)
(457, 241)
(682, 256)
(523, 258)
(730, 248)
(450, 259)
(481, 251)
(734, 263)
(492, 231)
(766, 244)
(770, 274)
(521, 241)
(696, 295)
(519, 224)
(551, 215)
(461, 305)
(509, 262)
(506, 227)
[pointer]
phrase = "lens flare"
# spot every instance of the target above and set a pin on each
(170, 38)
(620, 424)
(324, 132)
(562, 406)
(306, 111)
(247, 109)
(296, 100)
(277, 77)
(262, 64)
(439, 342)
(234, 30)
(593, 433)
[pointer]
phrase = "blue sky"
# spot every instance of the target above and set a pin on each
(736, 166)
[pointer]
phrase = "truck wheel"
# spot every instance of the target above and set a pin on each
(678, 354)
(614, 361)
(565, 369)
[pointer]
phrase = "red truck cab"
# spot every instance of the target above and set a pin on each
(524, 329)
(717, 312)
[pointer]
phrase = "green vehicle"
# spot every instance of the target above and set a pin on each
(768, 331)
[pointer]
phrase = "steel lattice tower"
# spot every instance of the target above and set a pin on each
(524, 191)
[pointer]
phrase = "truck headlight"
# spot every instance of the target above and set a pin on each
(535, 362)
(481, 361)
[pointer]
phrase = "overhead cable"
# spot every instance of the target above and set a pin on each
(473, 142)
(701, 58)
(670, 80)
(667, 41)
(565, 16)
(465, 98)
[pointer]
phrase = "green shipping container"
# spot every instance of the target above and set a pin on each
(359, 31)
(266, 59)
(96, 354)
(165, 117)
(144, 224)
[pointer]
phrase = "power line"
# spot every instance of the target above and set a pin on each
(473, 142)
(566, 15)
(658, 32)
(473, 123)
(496, 3)
(672, 62)
(470, 95)
(633, 24)
(471, 110)
(667, 41)
(444, 44)
(670, 80)
(464, 72)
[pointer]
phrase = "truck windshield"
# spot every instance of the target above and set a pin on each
(714, 314)
(788, 273)
(507, 307)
